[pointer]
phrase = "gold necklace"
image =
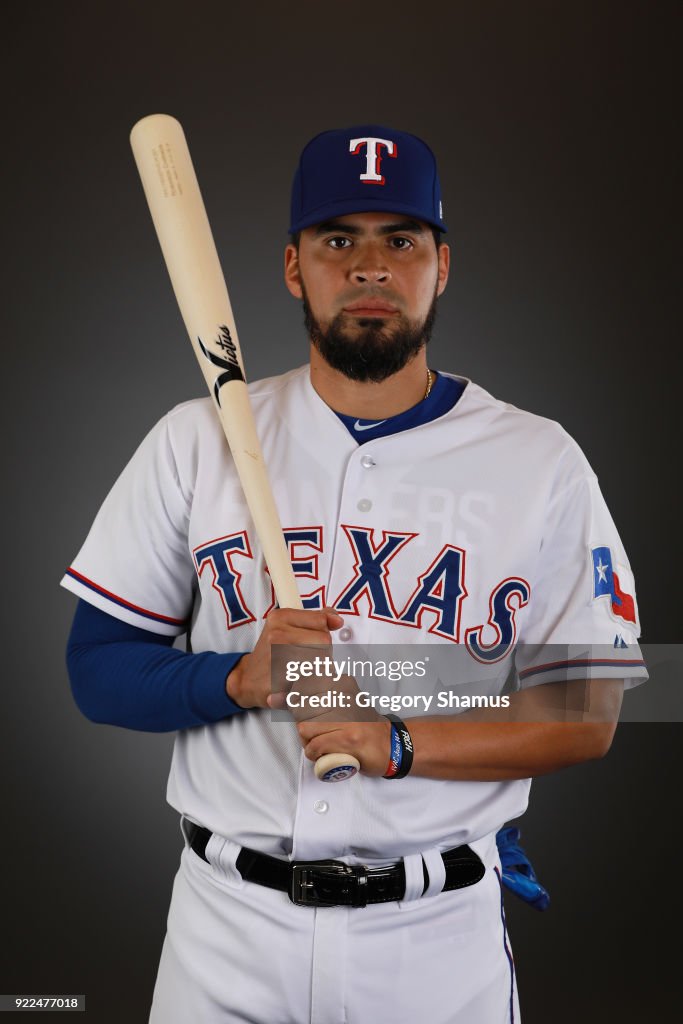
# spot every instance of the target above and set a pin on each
(430, 381)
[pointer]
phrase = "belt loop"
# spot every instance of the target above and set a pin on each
(436, 870)
(487, 849)
(187, 828)
(222, 855)
(414, 877)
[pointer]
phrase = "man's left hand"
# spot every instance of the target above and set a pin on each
(368, 741)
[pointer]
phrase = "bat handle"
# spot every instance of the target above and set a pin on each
(336, 767)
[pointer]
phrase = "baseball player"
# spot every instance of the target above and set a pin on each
(418, 510)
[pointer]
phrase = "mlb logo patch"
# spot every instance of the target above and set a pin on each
(606, 584)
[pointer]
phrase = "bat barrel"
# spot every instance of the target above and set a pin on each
(182, 226)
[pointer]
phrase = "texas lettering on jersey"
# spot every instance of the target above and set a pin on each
(440, 589)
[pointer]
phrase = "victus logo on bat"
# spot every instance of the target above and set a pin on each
(227, 345)
(229, 363)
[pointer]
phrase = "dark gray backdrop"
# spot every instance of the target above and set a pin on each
(553, 125)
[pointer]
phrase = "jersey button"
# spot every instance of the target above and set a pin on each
(364, 505)
(321, 807)
(345, 634)
(367, 462)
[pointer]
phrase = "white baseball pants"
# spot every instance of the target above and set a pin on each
(238, 952)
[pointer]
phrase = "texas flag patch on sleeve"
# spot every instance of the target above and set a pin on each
(610, 580)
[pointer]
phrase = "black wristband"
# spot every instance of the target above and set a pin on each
(406, 742)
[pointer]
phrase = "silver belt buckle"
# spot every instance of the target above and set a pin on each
(311, 879)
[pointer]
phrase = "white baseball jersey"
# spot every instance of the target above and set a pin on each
(482, 528)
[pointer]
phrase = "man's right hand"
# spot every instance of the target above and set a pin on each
(250, 684)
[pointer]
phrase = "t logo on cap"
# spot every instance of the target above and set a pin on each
(373, 157)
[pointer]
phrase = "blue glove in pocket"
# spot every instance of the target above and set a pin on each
(518, 875)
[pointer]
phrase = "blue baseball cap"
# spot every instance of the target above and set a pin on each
(367, 168)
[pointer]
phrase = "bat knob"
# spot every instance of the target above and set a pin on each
(336, 767)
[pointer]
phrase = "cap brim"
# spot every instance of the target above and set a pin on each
(347, 206)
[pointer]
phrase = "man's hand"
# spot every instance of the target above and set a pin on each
(368, 741)
(253, 684)
(250, 683)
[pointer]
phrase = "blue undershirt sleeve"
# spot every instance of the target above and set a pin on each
(122, 675)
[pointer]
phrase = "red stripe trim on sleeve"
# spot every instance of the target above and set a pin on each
(583, 663)
(121, 601)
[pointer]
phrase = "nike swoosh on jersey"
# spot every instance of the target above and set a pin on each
(367, 426)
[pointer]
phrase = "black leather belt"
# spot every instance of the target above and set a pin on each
(330, 883)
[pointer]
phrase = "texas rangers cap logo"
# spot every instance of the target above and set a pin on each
(373, 149)
(606, 584)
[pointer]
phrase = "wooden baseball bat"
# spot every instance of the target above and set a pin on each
(182, 226)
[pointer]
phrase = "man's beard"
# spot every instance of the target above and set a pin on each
(376, 350)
